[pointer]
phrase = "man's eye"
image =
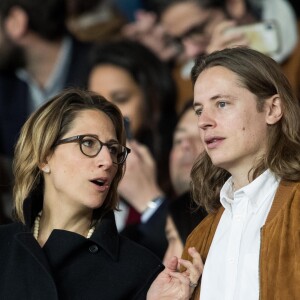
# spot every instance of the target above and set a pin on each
(198, 112)
(222, 104)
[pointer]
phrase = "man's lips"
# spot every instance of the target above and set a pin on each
(213, 142)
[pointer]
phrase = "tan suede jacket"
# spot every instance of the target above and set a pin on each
(280, 245)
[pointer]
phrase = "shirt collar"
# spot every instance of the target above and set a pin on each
(256, 192)
(59, 74)
(56, 80)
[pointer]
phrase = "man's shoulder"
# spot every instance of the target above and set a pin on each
(207, 222)
(288, 190)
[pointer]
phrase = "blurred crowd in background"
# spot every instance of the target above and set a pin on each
(137, 54)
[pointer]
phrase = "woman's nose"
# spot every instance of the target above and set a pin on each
(104, 157)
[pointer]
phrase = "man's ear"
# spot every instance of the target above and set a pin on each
(273, 109)
(16, 23)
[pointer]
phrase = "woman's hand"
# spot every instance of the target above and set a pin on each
(173, 285)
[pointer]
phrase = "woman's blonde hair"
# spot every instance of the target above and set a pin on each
(262, 76)
(41, 132)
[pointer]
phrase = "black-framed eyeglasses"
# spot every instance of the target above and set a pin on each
(196, 34)
(90, 146)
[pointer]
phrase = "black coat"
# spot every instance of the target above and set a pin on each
(69, 266)
(151, 234)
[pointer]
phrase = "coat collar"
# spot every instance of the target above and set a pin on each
(105, 235)
(286, 190)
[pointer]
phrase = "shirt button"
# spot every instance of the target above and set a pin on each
(93, 249)
(231, 260)
(238, 218)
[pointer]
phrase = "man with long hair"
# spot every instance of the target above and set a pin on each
(249, 123)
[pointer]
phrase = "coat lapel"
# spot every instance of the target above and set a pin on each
(31, 246)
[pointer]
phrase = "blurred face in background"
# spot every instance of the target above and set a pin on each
(118, 86)
(191, 26)
(12, 56)
(186, 147)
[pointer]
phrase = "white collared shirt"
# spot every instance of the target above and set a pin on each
(231, 271)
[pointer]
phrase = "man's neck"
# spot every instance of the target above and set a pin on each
(42, 59)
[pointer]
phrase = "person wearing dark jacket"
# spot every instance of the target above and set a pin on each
(38, 58)
(64, 244)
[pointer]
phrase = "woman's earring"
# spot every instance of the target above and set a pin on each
(46, 169)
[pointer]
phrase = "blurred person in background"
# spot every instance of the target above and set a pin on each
(203, 23)
(94, 20)
(182, 215)
(196, 27)
(5, 201)
(185, 149)
(38, 58)
(132, 77)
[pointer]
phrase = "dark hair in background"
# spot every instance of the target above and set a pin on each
(188, 105)
(46, 17)
(159, 95)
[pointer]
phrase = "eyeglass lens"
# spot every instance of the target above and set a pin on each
(91, 146)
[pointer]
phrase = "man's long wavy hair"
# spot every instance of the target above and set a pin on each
(261, 76)
(41, 132)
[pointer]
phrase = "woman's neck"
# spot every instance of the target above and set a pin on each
(79, 223)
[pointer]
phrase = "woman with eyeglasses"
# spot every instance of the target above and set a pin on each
(64, 244)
